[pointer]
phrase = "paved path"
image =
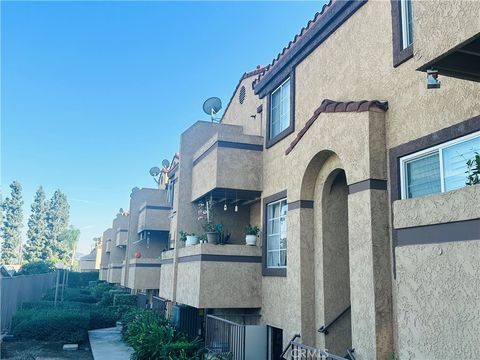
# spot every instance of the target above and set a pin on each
(107, 344)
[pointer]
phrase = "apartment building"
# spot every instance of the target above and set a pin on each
(91, 261)
(148, 236)
(351, 157)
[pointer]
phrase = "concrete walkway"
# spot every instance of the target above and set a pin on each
(107, 344)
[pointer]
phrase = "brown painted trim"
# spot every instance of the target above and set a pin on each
(269, 142)
(122, 230)
(300, 204)
(439, 137)
(282, 272)
(115, 267)
(155, 207)
(171, 173)
(331, 106)
(449, 72)
(323, 26)
(230, 145)
(166, 261)
(399, 55)
(439, 233)
(221, 258)
(450, 133)
(145, 265)
(369, 184)
(259, 108)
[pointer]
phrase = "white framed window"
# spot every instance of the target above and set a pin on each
(277, 234)
(280, 109)
(407, 20)
(438, 169)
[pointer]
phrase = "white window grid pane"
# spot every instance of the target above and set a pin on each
(451, 176)
(407, 21)
(277, 234)
(280, 109)
(455, 159)
(423, 176)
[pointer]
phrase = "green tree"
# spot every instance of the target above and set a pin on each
(57, 222)
(37, 229)
(69, 240)
(12, 225)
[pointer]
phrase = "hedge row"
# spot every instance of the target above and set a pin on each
(68, 322)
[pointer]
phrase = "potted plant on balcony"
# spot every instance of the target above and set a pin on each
(251, 233)
(212, 231)
(188, 239)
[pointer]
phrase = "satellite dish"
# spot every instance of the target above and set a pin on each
(135, 189)
(212, 106)
(165, 163)
(154, 171)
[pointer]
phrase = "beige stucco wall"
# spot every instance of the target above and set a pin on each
(437, 286)
(166, 281)
(241, 114)
(204, 284)
(453, 23)
(117, 253)
(114, 273)
(154, 219)
(144, 278)
(221, 167)
(456, 205)
(105, 257)
(347, 67)
(438, 297)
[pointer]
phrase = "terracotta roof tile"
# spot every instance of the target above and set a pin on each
(330, 106)
(297, 37)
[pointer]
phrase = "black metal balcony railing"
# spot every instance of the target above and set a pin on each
(159, 305)
(225, 338)
(142, 300)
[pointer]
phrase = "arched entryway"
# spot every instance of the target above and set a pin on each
(336, 269)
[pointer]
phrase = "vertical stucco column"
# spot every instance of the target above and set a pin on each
(370, 279)
(305, 235)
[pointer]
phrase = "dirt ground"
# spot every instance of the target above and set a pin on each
(42, 350)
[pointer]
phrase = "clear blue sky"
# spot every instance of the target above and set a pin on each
(95, 93)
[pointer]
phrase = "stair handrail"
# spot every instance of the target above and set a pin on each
(324, 329)
(288, 346)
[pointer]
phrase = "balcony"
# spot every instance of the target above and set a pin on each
(121, 237)
(229, 164)
(114, 273)
(108, 246)
(123, 278)
(144, 274)
(207, 272)
(154, 214)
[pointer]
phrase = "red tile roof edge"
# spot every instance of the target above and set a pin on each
(330, 106)
(297, 37)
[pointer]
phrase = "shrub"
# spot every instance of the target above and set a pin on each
(36, 267)
(152, 337)
(102, 318)
(125, 299)
(71, 294)
(99, 288)
(51, 325)
(81, 279)
(41, 305)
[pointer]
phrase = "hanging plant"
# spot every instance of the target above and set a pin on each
(473, 170)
